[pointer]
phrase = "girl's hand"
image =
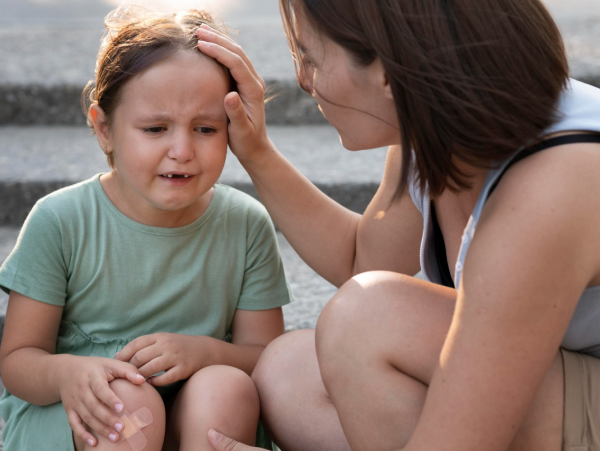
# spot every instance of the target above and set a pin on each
(178, 355)
(246, 108)
(88, 399)
(221, 443)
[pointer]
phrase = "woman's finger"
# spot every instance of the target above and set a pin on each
(236, 112)
(79, 429)
(221, 443)
(209, 34)
(248, 85)
(134, 346)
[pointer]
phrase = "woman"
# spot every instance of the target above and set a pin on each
(486, 134)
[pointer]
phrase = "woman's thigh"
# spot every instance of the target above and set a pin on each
(378, 344)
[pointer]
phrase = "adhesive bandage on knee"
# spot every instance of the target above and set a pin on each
(132, 430)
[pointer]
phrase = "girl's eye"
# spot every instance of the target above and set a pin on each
(206, 130)
(154, 130)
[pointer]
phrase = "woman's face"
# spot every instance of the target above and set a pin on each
(356, 100)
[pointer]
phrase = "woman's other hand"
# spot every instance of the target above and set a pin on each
(245, 108)
(88, 399)
(221, 443)
(178, 355)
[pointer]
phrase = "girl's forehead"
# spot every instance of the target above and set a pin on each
(179, 84)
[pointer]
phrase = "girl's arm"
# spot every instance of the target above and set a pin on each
(334, 241)
(31, 371)
(534, 252)
(180, 355)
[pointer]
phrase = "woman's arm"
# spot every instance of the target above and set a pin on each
(534, 252)
(334, 241)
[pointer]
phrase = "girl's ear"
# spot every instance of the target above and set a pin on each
(101, 128)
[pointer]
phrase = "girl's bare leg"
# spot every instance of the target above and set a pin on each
(295, 407)
(378, 344)
(216, 397)
(134, 397)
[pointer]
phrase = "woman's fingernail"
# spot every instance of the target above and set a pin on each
(119, 427)
(232, 101)
(204, 44)
(214, 435)
(113, 437)
(139, 377)
(90, 442)
(119, 407)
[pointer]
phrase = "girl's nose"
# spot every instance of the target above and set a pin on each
(182, 149)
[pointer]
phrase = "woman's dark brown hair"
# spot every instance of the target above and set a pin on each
(136, 39)
(473, 80)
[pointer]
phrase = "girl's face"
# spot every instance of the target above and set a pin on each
(356, 100)
(169, 138)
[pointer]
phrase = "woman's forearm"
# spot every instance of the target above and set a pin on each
(320, 230)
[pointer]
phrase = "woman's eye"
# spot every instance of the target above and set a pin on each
(154, 130)
(206, 130)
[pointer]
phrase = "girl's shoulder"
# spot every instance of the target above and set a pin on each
(72, 199)
(236, 203)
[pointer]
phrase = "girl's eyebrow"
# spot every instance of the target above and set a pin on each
(165, 116)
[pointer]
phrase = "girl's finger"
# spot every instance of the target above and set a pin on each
(104, 393)
(79, 429)
(103, 414)
(134, 346)
(145, 355)
(168, 377)
(96, 425)
(209, 34)
(122, 370)
(156, 365)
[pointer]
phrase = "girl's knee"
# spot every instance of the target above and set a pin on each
(136, 397)
(220, 388)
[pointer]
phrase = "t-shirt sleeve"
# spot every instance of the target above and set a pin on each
(264, 285)
(36, 267)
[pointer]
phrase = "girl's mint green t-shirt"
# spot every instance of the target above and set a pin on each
(118, 279)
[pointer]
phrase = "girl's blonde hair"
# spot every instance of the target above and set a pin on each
(135, 39)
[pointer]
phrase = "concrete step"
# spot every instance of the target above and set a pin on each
(35, 161)
(43, 72)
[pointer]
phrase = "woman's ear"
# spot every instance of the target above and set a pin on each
(101, 128)
(381, 78)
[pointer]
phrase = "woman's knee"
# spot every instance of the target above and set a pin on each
(280, 362)
(355, 308)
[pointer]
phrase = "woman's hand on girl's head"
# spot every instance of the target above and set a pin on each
(178, 355)
(245, 108)
(88, 399)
